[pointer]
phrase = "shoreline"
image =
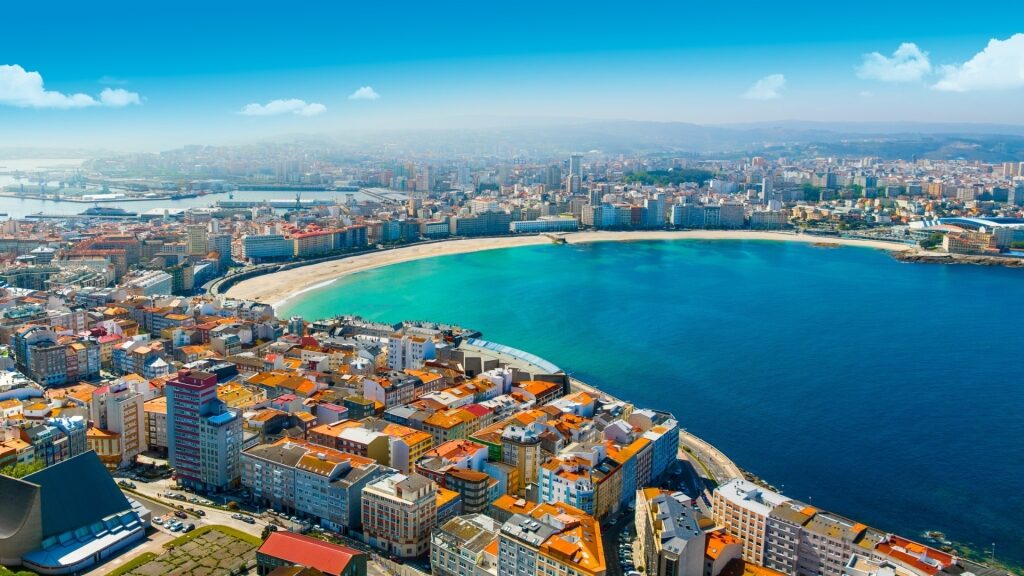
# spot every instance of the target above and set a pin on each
(279, 287)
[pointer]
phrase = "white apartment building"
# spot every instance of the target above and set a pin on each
(743, 507)
(119, 408)
(409, 352)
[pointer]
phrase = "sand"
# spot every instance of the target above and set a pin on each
(280, 287)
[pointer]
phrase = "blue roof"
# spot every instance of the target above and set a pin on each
(222, 418)
(975, 223)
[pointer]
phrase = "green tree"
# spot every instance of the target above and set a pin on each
(23, 469)
(932, 241)
(812, 193)
(675, 176)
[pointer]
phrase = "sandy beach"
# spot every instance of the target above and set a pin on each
(279, 287)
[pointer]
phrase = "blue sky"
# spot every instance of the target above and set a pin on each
(125, 75)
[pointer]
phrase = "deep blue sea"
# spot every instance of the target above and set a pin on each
(887, 392)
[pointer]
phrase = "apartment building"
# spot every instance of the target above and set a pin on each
(305, 479)
(399, 512)
(465, 546)
(204, 438)
(742, 508)
(553, 540)
(669, 535)
(118, 408)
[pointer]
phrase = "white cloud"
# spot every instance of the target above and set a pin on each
(278, 107)
(24, 89)
(999, 66)
(119, 97)
(767, 88)
(907, 64)
(364, 93)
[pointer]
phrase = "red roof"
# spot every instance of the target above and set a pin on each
(302, 550)
(477, 410)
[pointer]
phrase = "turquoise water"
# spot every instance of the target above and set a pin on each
(887, 392)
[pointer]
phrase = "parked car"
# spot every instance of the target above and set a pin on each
(180, 514)
(189, 527)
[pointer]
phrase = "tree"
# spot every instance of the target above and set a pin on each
(22, 469)
(812, 193)
(675, 176)
(935, 239)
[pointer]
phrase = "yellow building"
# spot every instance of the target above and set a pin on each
(237, 395)
(407, 446)
(107, 446)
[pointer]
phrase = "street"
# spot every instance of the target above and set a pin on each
(152, 495)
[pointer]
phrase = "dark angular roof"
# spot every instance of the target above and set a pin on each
(77, 492)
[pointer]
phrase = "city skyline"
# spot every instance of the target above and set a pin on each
(110, 79)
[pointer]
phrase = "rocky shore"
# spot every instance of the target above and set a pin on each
(920, 257)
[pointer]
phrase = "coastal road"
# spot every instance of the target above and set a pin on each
(709, 460)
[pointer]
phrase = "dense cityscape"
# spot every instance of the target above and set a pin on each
(491, 289)
(348, 446)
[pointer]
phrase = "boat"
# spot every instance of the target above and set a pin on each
(104, 211)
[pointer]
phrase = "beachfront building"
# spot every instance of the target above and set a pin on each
(662, 430)
(398, 514)
(742, 508)
(258, 248)
(542, 225)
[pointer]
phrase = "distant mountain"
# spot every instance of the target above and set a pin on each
(988, 142)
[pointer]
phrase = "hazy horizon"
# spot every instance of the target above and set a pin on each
(125, 77)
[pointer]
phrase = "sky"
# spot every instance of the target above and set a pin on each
(133, 75)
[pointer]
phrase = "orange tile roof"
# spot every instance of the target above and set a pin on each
(514, 504)
(156, 405)
(717, 542)
(445, 496)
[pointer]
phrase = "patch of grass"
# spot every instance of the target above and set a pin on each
(144, 558)
(5, 571)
